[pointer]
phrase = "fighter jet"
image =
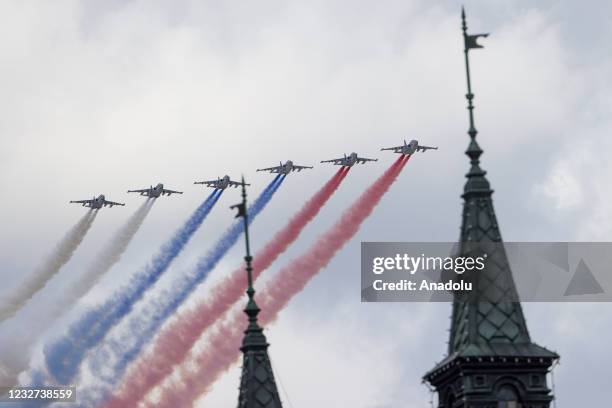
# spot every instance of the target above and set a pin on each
(286, 168)
(221, 183)
(410, 148)
(349, 160)
(155, 192)
(97, 203)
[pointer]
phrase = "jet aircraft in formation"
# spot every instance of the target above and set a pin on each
(97, 202)
(286, 168)
(155, 192)
(221, 183)
(349, 160)
(410, 148)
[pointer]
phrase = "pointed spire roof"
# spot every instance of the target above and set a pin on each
(488, 321)
(257, 385)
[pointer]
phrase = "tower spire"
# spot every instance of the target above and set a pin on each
(470, 96)
(491, 359)
(257, 386)
(477, 182)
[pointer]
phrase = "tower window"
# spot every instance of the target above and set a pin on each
(536, 380)
(507, 397)
(479, 381)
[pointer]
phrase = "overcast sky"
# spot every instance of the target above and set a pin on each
(102, 96)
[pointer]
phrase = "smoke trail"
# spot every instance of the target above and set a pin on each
(120, 350)
(64, 356)
(224, 342)
(54, 262)
(108, 257)
(176, 339)
(7, 377)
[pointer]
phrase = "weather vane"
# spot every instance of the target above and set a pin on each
(470, 42)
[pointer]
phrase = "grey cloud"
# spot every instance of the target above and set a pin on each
(103, 96)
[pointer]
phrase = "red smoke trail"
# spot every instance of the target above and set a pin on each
(225, 341)
(178, 337)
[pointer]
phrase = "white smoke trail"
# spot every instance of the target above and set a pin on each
(54, 262)
(6, 380)
(17, 354)
(105, 260)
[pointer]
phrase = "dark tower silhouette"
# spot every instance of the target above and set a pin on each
(257, 385)
(491, 361)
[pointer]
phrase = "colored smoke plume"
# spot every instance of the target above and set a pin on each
(63, 357)
(177, 338)
(53, 263)
(111, 359)
(109, 256)
(198, 374)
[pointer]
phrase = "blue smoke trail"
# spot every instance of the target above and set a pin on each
(143, 326)
(64, 357)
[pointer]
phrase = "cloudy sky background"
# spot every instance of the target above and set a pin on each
(102, 96)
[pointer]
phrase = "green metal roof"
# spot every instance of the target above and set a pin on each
(489, 345)
(489, 320)
(257, 386)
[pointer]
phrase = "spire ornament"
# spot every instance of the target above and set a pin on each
(257, 386)
(477, 183)
(491, 358)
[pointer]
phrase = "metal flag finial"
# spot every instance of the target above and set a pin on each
(476, 176)
(241, 207)
(243, 213)
(470, 42)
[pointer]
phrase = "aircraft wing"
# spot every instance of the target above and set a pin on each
(395, 149)
(170, 192)
(111, 203)
(363, 160)
(276, 169)
(145, 190)
(209, 183)
(82, 202)
(300, 168)
(236, 184)
(424, 148)
(334, 161)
